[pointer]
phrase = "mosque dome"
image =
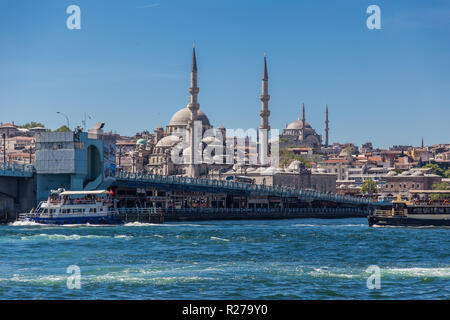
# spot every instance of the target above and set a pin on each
(298, 124)
(168, 141)
(181, 118)
(141, 142)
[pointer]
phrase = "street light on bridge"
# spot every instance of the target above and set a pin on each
(67, 118)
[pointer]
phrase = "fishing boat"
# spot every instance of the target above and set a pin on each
(415, 211)
(75, 207)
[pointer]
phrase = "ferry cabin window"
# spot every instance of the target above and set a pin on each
(417, 210)
(439, 210)
(427, 210)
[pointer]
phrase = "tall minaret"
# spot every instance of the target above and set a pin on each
(326, 127)
(303, 121)
(264, 113)
(193, 106)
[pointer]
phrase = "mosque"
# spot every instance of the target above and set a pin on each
(300, 134)
(153, 153)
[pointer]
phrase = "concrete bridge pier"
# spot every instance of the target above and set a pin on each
(17, 194)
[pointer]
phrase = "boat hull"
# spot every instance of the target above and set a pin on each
(98, 220)
(407, 222)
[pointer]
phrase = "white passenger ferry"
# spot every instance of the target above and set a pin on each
(75, 207)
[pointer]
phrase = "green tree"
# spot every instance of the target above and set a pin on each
(286, 157)
(447, 173)
(63, 129)
(435, 168)
(369, 187)
(32, 124)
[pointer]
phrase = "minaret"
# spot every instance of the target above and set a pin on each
(326, 126)
(264, 113)
(303, 122)
(193, 106)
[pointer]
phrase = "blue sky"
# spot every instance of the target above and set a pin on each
(129, 64)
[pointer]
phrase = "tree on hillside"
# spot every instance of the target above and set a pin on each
(286, 157)
(63, 129)
(447, 173)
(435, 168)
(32, 124)
(369, 187)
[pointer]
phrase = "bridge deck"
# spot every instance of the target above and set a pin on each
(16, 170)
(217, 186)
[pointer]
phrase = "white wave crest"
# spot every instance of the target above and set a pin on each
(45, 236)
(443, 272)
(21, 223)
(123, 236)
(219, 239)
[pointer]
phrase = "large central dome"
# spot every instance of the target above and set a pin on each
(182, 117)
(298, 124)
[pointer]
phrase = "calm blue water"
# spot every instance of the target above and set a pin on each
(281, 259)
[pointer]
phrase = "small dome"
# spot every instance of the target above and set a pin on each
(141, 142)
(295, 165)
(168, 141)
(182, 117)
(392, 173)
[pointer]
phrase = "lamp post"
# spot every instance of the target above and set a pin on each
(67, 118)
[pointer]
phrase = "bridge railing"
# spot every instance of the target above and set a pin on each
(260, 211)
(16, 170)
(239, 186)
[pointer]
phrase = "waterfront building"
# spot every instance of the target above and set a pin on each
(9, 129)
(18, 143)
(401, 183)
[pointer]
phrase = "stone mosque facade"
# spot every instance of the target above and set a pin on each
(153, 150)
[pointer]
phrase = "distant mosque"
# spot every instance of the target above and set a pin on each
(153, 151)
(300, 133)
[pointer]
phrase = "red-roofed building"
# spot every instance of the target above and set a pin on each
(9, 129)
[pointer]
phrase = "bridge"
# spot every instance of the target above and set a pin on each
(128, 179)
(17, 190)
(16, 170)
(195, 198)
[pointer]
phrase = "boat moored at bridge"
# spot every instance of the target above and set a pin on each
(75, 207)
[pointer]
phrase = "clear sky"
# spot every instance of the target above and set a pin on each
(129, 64)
